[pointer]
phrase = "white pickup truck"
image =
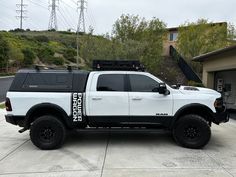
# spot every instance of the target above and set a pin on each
(50, 102)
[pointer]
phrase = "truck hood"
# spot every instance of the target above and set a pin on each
(198, 90)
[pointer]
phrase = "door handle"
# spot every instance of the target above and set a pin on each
(96, 98)
(136, 98)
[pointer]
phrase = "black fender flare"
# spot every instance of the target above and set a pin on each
(192, 108)
(51, 107)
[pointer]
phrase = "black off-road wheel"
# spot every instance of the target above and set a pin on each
(47, 133)
(192, 131)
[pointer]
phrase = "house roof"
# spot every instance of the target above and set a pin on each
(204, 57)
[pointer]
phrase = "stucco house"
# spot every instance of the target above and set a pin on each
(219, 73)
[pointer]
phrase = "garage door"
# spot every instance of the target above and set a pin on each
(226, 81)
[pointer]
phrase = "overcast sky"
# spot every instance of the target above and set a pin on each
(101, 14)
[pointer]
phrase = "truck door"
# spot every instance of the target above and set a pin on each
(145, 104)
(108, 100)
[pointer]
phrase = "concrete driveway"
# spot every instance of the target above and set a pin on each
(117, 155)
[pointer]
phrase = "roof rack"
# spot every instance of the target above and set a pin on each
(120, 65)
(44, 67)
(38, 67)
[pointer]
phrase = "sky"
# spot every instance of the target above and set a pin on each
(102, 14)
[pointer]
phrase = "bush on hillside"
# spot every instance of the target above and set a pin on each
(45, 54)
(41, 38)
(29, 57)
(70, 54)
(58, 61)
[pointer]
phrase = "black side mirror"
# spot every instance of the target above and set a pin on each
(163, 89)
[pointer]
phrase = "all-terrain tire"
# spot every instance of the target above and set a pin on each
(192, 131)
(47, 133)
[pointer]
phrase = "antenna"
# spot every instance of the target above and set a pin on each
(20, 10)
(53, 17)
(81, 24)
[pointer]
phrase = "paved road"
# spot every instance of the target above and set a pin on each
(117, 155)
(4, 86)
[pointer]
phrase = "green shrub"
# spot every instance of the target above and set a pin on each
(45, 54)
(41, 38)
(29, 57)
(70, 54)
(57, 60)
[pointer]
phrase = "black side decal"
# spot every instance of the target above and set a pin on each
(77, 107)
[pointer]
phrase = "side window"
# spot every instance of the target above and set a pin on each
(111, 82)
(141, 83)
(48, 81)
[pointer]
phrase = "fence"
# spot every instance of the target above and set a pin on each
(184, 66)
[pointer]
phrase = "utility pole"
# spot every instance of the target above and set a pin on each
(21, 12)
(81, 24)
(53, 17)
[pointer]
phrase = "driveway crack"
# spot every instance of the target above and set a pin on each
(103, 165)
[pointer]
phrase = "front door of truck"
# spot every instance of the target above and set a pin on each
(147, 105)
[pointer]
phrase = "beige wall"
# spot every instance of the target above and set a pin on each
(166, 47)
(221, 62)
(167, 43)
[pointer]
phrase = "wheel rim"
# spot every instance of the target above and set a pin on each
(47, 134)
(191, 132)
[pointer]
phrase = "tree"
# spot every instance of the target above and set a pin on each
(201, 37)
(141, 38)
(129, 27)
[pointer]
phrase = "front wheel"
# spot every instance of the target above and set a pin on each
(192, 131)
(47, 132)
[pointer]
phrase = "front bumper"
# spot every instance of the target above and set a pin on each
(221, 117)
(15, 120)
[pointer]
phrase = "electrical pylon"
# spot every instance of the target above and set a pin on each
(21, 11)
(53, 16)
(81, 24)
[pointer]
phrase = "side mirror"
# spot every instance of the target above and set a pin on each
(163, 89)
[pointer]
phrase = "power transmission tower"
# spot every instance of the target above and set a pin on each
(21, 12)
(53, 17)
(81, 23)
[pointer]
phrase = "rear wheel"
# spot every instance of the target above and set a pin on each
(47, 132)
(192, 131)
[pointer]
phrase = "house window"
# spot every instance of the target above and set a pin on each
(173, 36)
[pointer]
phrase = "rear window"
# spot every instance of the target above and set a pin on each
(47, 81)
(111, 82)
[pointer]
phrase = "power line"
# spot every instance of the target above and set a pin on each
(37, 4)
(20, 10)
(66, 22)
(69, 13)
(53, 17)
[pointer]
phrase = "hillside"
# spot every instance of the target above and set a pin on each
(58, 49)
(51, 48)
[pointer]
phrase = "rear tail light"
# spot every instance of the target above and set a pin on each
(8, 104)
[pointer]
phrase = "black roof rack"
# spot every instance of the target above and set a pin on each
(44, 67)
(117, 65)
